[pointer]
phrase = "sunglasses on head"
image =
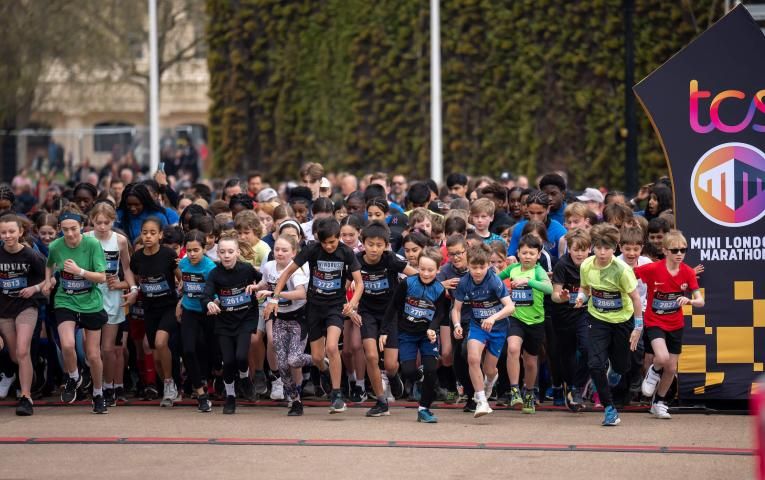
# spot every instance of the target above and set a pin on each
(677, 250)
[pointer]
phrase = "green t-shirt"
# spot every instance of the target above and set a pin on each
(529, 300)
(75, 292)
(609, 289)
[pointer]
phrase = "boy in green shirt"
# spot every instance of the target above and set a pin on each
(609, 289)
(529, 284)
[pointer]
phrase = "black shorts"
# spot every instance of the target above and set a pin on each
(533, 336)
(320, 317)
(159, 319)
(123, 328)
(88, 321)
(673, 339)
(371, 323)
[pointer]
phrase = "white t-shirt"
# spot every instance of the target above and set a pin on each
(642, 288)
(300, 277)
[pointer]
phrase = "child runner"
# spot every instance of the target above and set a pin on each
(490, 305)
(481, 216)
(22, 275)
(609, 288)
(78, 302)
(570, 323)
(155, 265)
(289, 337)
(330, 263)
(526, 330)
(353, 351)
(228, 295)
(668, 282)
(117, 254)
(411, 322)
(380, 270)
(196, 327)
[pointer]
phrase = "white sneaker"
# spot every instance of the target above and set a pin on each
(277, 389)
(5, 384)
(488, 385)
(482, 408)
(660, 410)
(651, 380)
(169, 396)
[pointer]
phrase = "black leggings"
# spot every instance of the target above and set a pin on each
(571, 337)
(234, 350)
(430, 368)
(196, 332)
(608, 342)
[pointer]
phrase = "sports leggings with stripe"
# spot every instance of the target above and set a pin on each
(289, 346)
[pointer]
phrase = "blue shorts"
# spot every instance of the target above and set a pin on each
(409, 344)
(494, 340)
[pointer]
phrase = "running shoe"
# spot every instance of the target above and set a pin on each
(529, 405)
(378, 410)
(99, 404)
(337, 405)
(229, 407)
(503, 400)
(69, 395)
(169, 396)
(5, 384)
(247, 390)
(356, 394)
(396, 386)
(488, 385)
(259, 381)
(109, 397)
(87, 383)
(296, 409)
(119, 394)
(470, 406)
(559, 399)
(24, 408)
(574, 400)
(611, 417)
(549, 393)
(426, 416)
(451, 398)
(651, 380)
(204, 404)
(150, 393)
(482, 408)
(325, 380)
(515, 396)
(613, 377)
(660, 410)
(277, 389)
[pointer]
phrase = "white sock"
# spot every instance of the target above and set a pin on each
(119, 385)
(75, 375)
(97, 391)
(168, 381)
(244, 374)
(421, 408)
(108, 386)
(230, 391)
(480, 396)
(361, 384)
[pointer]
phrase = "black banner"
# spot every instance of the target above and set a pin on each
(707, 106)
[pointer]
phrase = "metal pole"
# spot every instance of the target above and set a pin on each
(630, 119)
(436, 161)
(153, 87)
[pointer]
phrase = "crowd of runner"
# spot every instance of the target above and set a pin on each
(477, 291)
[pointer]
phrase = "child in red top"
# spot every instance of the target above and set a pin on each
(668, 282)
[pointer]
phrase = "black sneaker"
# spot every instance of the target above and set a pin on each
(396, 386)
(109, 397)
(326, 382)
(469, 406)
(99, 404)
(229, 408)
(296, 410)
(87, 384)
(119, 394)
(380, 409)
(356, 394)
(150, 393)
(205, 405)
(337, 405)
(24, 408)
(247, 389)
(69, 395)
(260, 387)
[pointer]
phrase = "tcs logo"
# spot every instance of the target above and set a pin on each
(755, 105)
(727, 184)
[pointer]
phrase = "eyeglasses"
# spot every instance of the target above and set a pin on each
(455, 254)
(675, 251)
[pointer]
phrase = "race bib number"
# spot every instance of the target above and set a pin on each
(74, 284)
(665, 303)
(605, 301)
(234, 299)
(9, 284)
(326, 286)
(522, 296)
(112, 262)
(572, 293)
(418, 310)
(193, 285)
(375, 283)
(485, 309)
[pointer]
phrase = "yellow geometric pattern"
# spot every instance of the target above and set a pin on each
(734, 345)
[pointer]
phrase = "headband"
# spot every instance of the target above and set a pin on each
(379, 203)
(291, 223)
(70, 216)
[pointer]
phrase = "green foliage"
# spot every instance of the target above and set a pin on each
(528, 86)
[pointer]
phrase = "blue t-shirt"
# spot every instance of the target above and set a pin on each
(557, 215)
(132, 228)
(194, 278)
(484, 299)
(555, 231)
(172, 216)
(493, 237)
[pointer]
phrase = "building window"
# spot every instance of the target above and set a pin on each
(112, 137)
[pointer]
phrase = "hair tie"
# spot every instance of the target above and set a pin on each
(70, 216)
